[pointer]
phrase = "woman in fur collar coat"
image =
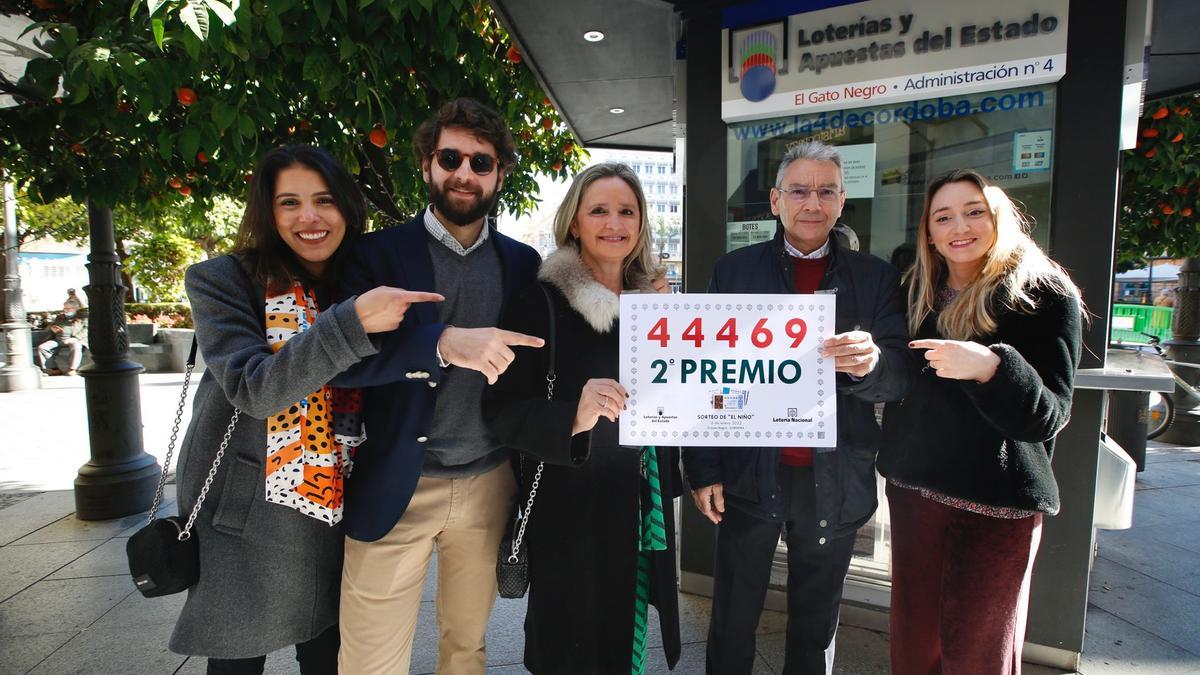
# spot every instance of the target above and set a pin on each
(601, 533)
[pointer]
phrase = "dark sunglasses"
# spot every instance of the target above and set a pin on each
(450, 159)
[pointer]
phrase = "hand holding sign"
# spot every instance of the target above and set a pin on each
(600, 397)
(957, 360)
(854, 353)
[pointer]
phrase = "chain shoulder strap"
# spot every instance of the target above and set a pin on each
(186, 532)
(537, 475)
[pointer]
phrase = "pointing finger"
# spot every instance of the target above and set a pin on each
(418, 296)
(927, 344)
(520, 339)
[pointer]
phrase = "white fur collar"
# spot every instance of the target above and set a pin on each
(597, 305)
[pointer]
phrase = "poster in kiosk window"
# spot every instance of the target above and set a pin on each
(728, 370)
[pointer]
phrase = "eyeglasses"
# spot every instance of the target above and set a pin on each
(450, 159)
(799, 195)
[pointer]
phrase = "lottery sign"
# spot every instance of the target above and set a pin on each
(728, 370)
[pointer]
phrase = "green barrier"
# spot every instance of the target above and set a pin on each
(1130, 321)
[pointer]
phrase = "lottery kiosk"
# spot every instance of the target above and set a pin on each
(1038, 95)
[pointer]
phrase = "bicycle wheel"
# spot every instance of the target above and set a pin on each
(1161, 414)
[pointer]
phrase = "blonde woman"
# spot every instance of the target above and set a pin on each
(999, 325)
(601, 534)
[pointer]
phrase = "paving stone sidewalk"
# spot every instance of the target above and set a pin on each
(67, 604)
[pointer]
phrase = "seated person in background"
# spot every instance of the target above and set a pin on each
(61, 349)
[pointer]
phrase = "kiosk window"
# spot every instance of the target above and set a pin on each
(891, 152)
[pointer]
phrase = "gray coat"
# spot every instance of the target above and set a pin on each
(269, 575)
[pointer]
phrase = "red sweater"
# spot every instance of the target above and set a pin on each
(808, 275)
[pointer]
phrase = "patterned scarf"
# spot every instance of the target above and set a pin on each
(652, 536)
(310, 443)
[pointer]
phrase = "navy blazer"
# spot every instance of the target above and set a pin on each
(399, 384)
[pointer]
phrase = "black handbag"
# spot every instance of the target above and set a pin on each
(164, 556)
(512, 564)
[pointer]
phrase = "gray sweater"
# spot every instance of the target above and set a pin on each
(459, 442)
(269, 575)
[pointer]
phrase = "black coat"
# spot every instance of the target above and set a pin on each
(583, 530)
(868, 298)
(992, 442)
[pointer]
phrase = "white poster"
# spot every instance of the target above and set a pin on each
(1031, 151)
(728, 370)
(858, 170)
(740, 233)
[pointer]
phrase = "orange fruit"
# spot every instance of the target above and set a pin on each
(185, 96)
(378, 136)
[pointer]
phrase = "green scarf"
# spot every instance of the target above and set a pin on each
(652, 536)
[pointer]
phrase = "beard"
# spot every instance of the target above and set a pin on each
(461, 215)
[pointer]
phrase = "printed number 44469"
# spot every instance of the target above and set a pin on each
(761, 335)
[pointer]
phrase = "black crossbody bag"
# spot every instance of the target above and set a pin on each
(512, 564)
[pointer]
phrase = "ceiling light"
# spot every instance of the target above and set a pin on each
(593, 36)
(616, 111)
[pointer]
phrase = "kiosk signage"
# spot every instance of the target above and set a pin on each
(885, 51)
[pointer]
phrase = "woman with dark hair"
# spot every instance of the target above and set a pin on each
(270, 544)
(602, 530)
(967, 452)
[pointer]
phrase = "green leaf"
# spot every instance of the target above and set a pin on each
(427, 4)
(80, 92)
(195, 18)
(341, 5)
(165, 145)
(246, 126)
(189, 142)
(155, 5)
(224, 12)
(274, 29)
(223, 115)
(69, 36)
(362, 4)
(323, 9)
(157, 26)
(313, 67)
(347, 49)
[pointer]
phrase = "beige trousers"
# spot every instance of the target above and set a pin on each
(464, 518)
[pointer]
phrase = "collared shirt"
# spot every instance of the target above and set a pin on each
(439, 232)
(795, 252)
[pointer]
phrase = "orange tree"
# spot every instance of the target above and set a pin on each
(173, 100)
(1160, 187)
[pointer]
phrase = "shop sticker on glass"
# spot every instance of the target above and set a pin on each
(728, 370)
(1031, 151)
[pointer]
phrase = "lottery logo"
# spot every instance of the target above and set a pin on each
(759, 51)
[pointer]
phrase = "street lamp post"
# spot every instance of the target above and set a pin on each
(18, 372)
(120, 478)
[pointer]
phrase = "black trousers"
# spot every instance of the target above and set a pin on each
(816, 571)
(318, 656)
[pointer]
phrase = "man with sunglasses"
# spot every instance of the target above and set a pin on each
(814, 498)
(429, 476)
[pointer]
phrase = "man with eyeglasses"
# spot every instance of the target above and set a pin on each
(429, 476)
(815, 499)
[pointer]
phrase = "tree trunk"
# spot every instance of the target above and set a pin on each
(1184, 346)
